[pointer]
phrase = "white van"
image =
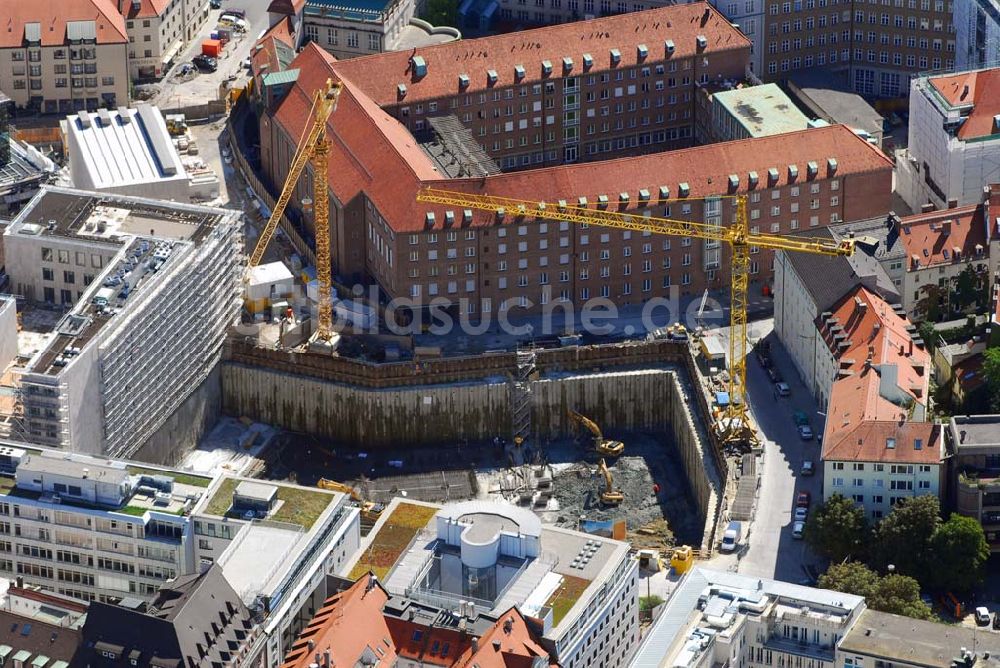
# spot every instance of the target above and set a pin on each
(731, 539)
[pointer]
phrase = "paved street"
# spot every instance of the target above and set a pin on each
(205, 86)
(770, 533)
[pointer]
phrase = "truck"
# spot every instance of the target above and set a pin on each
(731, 538)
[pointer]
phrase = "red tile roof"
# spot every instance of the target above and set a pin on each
(287, 7)
(870, 441)
(265, 51)
(53, 15)
(884, 374)
(372, 148)
(931, 239)
(353, 623)
(976, 89)
(379, 75)
(146, 9)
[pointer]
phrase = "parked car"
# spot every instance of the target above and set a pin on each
(808, 468)
(783, 389)
(205, 63)
(805, 432)
(215, 4)
(801, 513)
(797, 530)
(803, 499)
(982, 615)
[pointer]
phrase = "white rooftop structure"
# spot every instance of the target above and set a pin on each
(732, 615)
(128, 151)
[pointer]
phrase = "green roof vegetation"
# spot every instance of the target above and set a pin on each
(565, 597)
(132, 510)
(222, 501)
(6, 484)
(180, 478)
(299, 505)
(392, 538)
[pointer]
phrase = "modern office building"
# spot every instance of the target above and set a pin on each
(721, 618)
(158, 30)
(872, 50)
(954, 139)
(483, 557)
(111, 531)
(482, 263)
(60, 56)
(131, 273)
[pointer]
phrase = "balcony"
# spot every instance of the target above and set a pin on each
(798, 648)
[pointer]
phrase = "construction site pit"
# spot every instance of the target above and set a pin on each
(560, 480)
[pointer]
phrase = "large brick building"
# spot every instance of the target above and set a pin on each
(381, 235)
(876, 47)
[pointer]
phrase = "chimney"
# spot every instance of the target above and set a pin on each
(927, 208)
(475, 644)
(953, 203)
(326, 658)
(910, 353)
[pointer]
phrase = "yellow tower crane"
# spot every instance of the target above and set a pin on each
(314, 146)
(736, 427)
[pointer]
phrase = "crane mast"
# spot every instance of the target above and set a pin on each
(314, 147)
(737, 427)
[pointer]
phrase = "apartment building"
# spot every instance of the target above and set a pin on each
(59, 56)
(363, 624)
(157, 31)
(942, 246)
(479, 557)
(954, 139)
(877, 48)
(977, 33)
(720, 618)
(750, 17)
(483, 263)
(878, 446)
(123, 268)
(807, 286)
(973, 443)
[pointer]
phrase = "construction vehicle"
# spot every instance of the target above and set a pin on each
(735, 426)
(369, 509)
(609, 495)
(602, 445)
(682, 559)
(314, 147)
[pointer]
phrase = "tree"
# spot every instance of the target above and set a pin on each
(929, 305)
(838, 529)
(900, 595)
(960, 552)
(441, 12)
(903, 538)
(850, 577)
(928, 334)
(991, 372)
(897, 594)
(970, 289)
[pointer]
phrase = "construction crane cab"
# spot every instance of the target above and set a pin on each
(603, 446)
(369, 509)
(609, 495)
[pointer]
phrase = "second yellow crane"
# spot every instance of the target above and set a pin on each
(735, 427)
(314, 146)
